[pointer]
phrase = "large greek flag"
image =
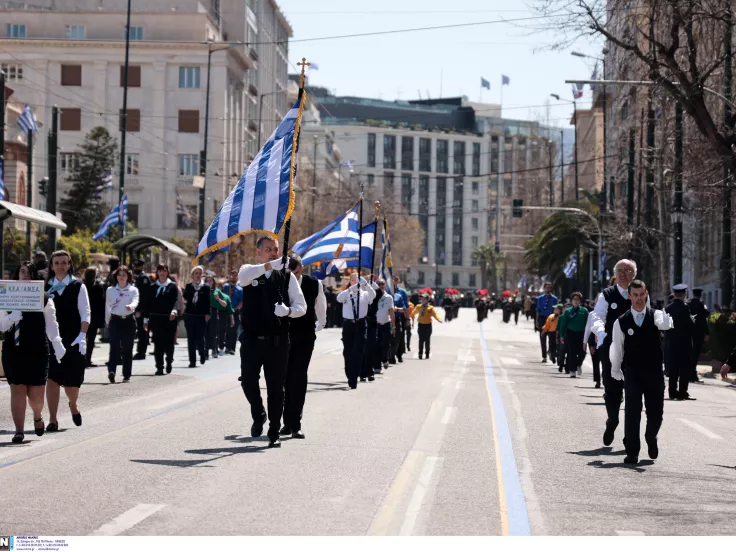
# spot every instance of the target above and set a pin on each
(571, 267)
(386, 270)
(263, 199)
(334, 266)
(26, 121)
(2, 180)
(118, 215)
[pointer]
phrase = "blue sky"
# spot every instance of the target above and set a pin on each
(404, 65)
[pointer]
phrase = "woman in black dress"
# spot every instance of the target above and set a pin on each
(73, 314)
(96, 294)
(164, 307)
(26, 355)
(196, 314)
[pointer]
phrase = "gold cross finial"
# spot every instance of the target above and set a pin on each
(303, 64)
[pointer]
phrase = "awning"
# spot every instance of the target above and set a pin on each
(139, 242)
(21, 212)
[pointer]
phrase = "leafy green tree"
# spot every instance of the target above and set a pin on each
(488, 260)
(82, 206)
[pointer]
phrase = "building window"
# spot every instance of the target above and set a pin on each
(131, 164)
(371, 150)
(406, 191)
(13, 73)
(440, 224)
(420, 277)
(507, 186)
(134, 76)
(76, 32)
(188, 77)
(476, 159)
(474, 241)
(437, 278)
(494, 160)
(455, 279)
(475, 188)
(389, 151)
(474, 205)
(70, 119)
(189, 120)
(442, 156)
(67, 163)
(71, 75)
(407, 153)
(425, 154)
(189, 164)
(458, 158)
(136, 33)
(474, 223)
(457, 223)
(371, 180)
(388, 186)
(133, 213)
(133, 120)
(471, 280)
(14, 30)
(508, 159)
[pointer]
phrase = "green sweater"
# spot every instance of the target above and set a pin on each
(215, 304)
(573, 323)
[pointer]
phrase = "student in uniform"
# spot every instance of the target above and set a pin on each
(120, 304)
(590, 344)
(26, 356)
(355, 301)
(424, 314)
(73, 313)
(636, 362)
(409, 323)
(386, 322)
(371, 351)
(221, 317)
(96, 294)
(700, 335)
(679, 346)
(143, 283)
(549, 332)
(235, 293)
(163, 310)
(572, 330)
(196, 315)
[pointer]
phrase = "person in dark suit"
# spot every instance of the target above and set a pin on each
(97, 311)
(679, 345)
(145, 287)
(700, 335)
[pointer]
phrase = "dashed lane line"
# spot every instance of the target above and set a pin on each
(699, 428)
(127, 520)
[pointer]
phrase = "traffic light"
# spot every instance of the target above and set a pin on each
(43, 186)
(518, 204)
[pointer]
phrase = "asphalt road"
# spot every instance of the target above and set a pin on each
(482, 439)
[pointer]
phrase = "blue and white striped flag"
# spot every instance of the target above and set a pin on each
(337, 240)
(117, 215)
(386, 270)
(27, 121)
(105, 183)
(603, 261)
(337, 264)
(2, 180)
(572, 266)
(263, 199)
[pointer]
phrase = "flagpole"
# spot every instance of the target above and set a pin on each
(375, 234)
(360, 231)
(29, 190)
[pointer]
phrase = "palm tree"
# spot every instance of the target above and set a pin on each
(488, 260)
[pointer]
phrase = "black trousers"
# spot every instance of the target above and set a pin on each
(575, 351)
(698, 340)
(122, 335)
(596, 359)
(91, 337)
(407, 333)
(679, 369)
(370, 351)
(397, 340)
(231, 335)
(614, 391)
(195, 326)
(652, 390)
(542, 338)
(295, 389)
(384, 343)
(550, 346)
(217, 329)
(142, 335)
(271, 354)
(164, 333)
(353, 343)
(424, 331)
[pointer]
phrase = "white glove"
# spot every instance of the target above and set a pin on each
(375, 285)
(278, 264)
(318, 327)
(617, 374)
(59, 350)
(281, 310)
(356, 287)
(81, 341)
(15, 316)
(363, 282)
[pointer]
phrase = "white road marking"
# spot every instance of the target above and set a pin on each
(415, 505)
(699, 428)
(449, 415)
(466, 358)
(510, 361)
(183, 398)
(630, 533)
(128, 519)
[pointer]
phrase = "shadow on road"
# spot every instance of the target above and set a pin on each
(595, 404)
(222, 452)
(722, 466)
(633, 467)
(603, 451)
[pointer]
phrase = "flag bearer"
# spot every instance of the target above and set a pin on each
(355, 301)
(424, 314)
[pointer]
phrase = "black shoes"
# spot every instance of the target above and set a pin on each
(573, 375)
(18, 437)
(653, 449)
(631, 460)
(111, 377)
(126, 380)
(544, 360)
(362, 379)
(52, 427)
(371, 378)
(427, 356)
(298, 434)
(160, 371)
(274, 443)
(191, 365)
(560, 369)
(285, 431)
(420, 356)
(139, 356)
(608, 437)
(39, 430)
(256, 430)
(400, 359)
(597, 385)
(169, 367)
(77, 419)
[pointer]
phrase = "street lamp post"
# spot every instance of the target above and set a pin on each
(260, 113)
(575, 118)
(124, 118)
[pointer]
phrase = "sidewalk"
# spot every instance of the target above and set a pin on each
(705, 371)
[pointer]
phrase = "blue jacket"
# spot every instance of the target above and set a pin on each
(237, 297)
(401, 299)
(546, 305)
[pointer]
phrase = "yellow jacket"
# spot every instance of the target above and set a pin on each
(551, 324)
(424, 314)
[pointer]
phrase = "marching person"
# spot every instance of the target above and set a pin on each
(545, 306)
(700, 335)
(302, 335)
(612, 303)
(572, 332)
(162, 318)
(424, 314)
(120, 304)
(386, 324)
(196, 315)
(590, 343)
(679, 346)
(235, 293)
(636, 362)
(270, 298)
(409, 323)
(371, 350)
(26, 356)
(549, 332)
(143, 283)
(72, 313)
(96, 294)
(221, 317)
(401, 305)
(355, 300)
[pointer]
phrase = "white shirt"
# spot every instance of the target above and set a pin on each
(320, 303)
(367, 295)
(49, 317)
(662, 320)
(599, 314)
(117, 298)
(248, 273)
(82, 299)
(384, 314)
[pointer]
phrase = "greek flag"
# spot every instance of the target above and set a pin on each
(105, 183)
(26, 121)
(2, 181)
(182, 210)
(263, 199)
(386, 270)
(571, 267)
(484, 83)
(602, 268)
(118, 215)
(337, 265)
